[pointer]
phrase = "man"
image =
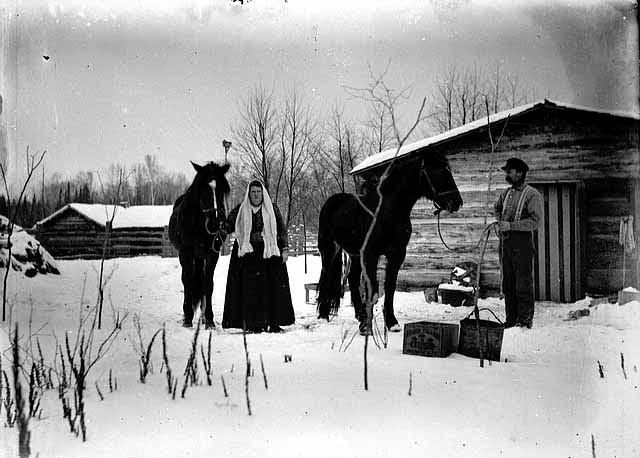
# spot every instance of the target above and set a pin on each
(518, 211)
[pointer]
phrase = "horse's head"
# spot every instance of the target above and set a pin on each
(438, 184)
(213, 174)
(211, 181)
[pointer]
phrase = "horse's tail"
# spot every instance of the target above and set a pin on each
(330, 284)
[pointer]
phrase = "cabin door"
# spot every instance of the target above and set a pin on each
(557, 267)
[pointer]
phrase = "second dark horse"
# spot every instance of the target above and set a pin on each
(344, 224)
(196, 231)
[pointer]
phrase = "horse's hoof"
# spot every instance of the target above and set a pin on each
(209, 325)
(323, 318)
(395, 328)
(187, 324)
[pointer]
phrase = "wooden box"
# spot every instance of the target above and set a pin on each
(425, 338)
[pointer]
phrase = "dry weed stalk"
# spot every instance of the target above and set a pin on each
(165, 358)
(206, 360)
(144, 353)
(191, 369)
(248, 371)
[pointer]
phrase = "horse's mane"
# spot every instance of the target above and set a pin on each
(369, 180)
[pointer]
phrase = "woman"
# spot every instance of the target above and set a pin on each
(258, 296)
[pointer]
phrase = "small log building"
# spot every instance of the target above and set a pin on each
(586, 164)
(80, 230)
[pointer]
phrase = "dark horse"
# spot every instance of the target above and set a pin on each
(344, 224)
(196, 230)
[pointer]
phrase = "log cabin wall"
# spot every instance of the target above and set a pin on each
(70, 235)
(587, 166)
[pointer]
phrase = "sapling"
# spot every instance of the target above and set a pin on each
(13, 209)
(600, 370)
(22, 418)
(381, 96)
(410, 383)
(82, 358)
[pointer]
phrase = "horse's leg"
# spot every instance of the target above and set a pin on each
(394, 261)
(198, 284)
(354, 287)
(186, 262)
(210, 262)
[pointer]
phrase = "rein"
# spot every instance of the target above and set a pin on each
(487, 228)
(439, 209)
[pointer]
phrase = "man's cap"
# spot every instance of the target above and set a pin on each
(516, 164)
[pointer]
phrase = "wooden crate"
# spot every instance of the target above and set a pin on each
(425, 338)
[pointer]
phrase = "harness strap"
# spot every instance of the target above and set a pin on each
(520, 204)
(505, 200)
(521, 201)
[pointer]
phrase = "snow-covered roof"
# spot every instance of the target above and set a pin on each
(386, 156)
(135, 216)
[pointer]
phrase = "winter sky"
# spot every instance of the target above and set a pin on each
(96, 82)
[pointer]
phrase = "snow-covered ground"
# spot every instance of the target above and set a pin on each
(547, 400)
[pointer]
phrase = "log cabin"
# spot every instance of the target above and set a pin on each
(80, 230)
(586, 164)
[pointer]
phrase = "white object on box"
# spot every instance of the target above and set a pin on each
(452, 287)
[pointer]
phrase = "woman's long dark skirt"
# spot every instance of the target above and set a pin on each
(258, 294)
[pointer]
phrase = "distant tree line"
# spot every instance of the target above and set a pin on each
(144, 183)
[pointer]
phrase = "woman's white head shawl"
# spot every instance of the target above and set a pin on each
(269, 230)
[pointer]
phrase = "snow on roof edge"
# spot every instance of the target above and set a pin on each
(125, 217)
(388, 155)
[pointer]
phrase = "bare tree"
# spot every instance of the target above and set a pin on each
(459, 94)
(378, 130)
(379, 93)
(342, 153)
(256, 134)
(153, 169)
(495, 88)
(296, 145)
(13, 208)
(468, 96)
(111, 194)
(446, 85)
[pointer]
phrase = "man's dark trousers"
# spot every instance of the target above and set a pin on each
(517, 277)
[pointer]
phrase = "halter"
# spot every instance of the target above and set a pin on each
(218, 235)
(434, 192)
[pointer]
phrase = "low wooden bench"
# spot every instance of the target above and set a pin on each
(314, 287)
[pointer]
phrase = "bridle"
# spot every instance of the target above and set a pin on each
(435, 193)
(220, 234)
